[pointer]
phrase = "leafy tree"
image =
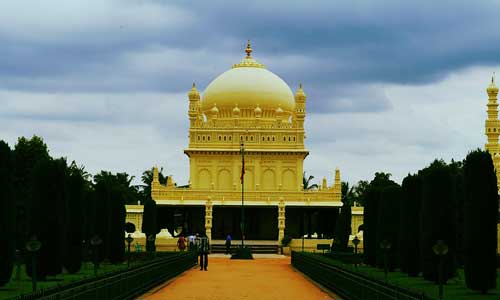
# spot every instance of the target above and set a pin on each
(147, 179)
(438, 219)
(361, 192)
(306, 181)
(409, 228)
(388, 224)
(348, 194)
(7, 228)
(480, 213)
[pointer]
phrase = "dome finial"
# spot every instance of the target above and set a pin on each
(248, 50)
(493, 78)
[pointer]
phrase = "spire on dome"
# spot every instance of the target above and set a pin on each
(492, 89)
(248, 61)
(248, 50)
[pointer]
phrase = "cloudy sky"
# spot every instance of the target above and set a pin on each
(390, 86)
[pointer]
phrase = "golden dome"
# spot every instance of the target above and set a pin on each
(492, 88)
(248, 84)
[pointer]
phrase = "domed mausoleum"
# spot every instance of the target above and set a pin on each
(249, 113)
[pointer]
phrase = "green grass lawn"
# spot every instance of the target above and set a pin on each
(23, 286)
(454, 289)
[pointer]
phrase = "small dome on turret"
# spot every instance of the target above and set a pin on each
(492, 88)
(214, 110)
(279, 112)
(258, 111)
(194, 90)
(236, 111)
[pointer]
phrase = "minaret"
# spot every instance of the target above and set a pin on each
(492, 128)
(337, 186)
(194, 105)
(300, 107)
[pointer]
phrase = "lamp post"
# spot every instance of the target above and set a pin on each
(242, 225)
(356, 241)
(95, 241)
(385, 245)
(440, 249)
(129, 240)
(151, 240)
(33, 245)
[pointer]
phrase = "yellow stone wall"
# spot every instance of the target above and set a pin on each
(357, 218)
(134, 215)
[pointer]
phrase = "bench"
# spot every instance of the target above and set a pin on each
(323, 247)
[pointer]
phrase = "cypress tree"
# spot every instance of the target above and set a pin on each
(370, 217)
(343, 228)
(437, 220)
(7, 228)
(48, 215)
(388, 225)
(149, 225)
(370, 225)
(480, 213)
(72, 259)
(409, 229)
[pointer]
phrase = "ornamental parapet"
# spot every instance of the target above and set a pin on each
(188, 196)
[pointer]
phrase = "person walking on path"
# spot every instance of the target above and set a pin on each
(228, 244)
(181, 243)
(203, 250)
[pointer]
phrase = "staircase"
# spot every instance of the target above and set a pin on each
(257, 248)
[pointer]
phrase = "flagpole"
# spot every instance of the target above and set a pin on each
(242, 225)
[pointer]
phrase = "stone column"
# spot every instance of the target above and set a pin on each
(208, 218)
(281, 219)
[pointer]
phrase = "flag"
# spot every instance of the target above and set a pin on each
(242, 169)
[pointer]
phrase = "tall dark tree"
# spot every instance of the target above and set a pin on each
(48, 215)
(76, 190)
(110, 194)
(343, 224)
(388, 225)
(27, 153)
(370, 222)
(480, 213)
(149, 224)
(438, 220)
(7, 221)
(457, 172)
(409, 228)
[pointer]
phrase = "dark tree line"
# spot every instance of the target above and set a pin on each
(58, 204)
(456, 203)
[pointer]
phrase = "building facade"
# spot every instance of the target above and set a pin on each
(248, 127)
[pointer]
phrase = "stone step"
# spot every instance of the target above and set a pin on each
(262, 249)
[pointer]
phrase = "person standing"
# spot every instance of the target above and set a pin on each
(181, 243)
(203, 250)
(228, 244)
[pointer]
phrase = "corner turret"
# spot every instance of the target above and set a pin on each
(299, 113)
(194, 106)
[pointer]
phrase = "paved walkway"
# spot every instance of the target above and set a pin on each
(262, 279)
